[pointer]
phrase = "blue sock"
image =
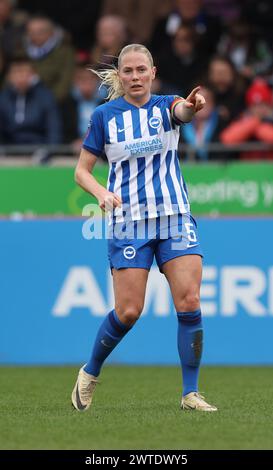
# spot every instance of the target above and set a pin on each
(109, 335)
(190, 342)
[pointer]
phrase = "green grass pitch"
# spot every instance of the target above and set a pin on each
(135, 408)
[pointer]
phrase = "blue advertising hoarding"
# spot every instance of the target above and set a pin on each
(56, 287)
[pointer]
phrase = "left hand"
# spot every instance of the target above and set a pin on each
(195, 100)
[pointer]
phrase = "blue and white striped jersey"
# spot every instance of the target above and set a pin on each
(141, 147)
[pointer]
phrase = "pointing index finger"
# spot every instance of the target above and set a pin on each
(193, 92)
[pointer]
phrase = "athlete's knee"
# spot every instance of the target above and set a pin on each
(189, 302)
(129, 314)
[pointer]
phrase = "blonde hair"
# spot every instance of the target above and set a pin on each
(110, 77)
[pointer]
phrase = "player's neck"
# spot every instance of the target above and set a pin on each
(138, 102)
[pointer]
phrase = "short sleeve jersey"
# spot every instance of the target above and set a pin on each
(141, 146)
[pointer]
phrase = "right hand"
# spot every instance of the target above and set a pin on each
(195, 100)
(109, 201)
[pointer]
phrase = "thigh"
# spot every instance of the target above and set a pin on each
(130, 287)
(184, 275)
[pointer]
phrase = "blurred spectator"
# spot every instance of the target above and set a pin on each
(228, 10)
(260, 14)
(249, 53)
(28, 111)
(111, 36)
(228, 87)
(140, 15)
(79, 17)
(11, 32)
(256, 124)
(80, 104)
(181, 66)
(204, 129)
(52, 56)
(190, 13)
(160, 87)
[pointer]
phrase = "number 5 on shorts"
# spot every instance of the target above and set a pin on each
(191, 233)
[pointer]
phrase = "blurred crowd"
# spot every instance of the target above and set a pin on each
(47, 92)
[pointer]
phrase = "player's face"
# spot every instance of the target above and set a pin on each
(136, 75)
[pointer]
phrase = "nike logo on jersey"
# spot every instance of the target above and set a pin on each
(124, 129)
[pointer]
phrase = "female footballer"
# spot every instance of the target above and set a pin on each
(139, 134)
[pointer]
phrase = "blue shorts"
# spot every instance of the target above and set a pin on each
(134, 244)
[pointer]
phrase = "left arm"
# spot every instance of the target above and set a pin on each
(185, 110)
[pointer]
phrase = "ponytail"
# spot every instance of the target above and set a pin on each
(110, 79)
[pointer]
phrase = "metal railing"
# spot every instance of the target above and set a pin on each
(60, 155)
